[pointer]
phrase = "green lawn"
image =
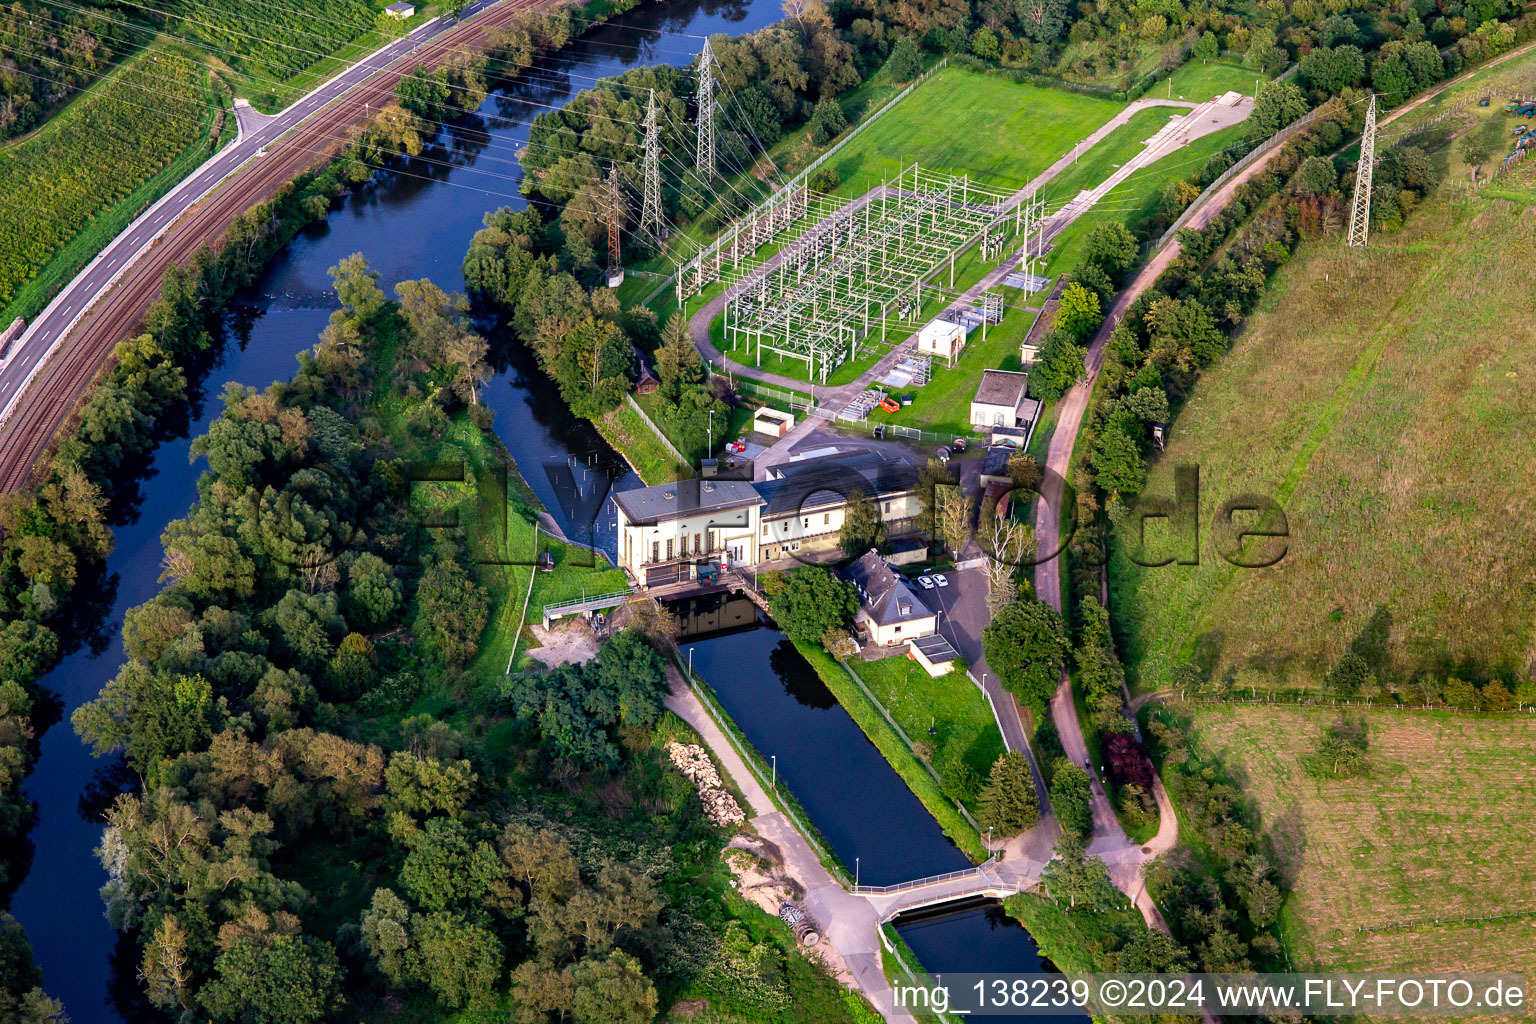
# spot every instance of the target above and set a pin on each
(901, 757)
(944, 403)
(1134, 201)
(1197, 82)
(1000, 132)
(626, 431)
(951, 705)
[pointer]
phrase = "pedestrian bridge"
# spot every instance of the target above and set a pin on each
(993, 878)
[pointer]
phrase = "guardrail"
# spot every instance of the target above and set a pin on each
(583, 603)
(1267, 146)
(918, 883)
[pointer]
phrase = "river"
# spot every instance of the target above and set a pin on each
(413, 223)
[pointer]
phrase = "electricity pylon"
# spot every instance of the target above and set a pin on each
(615, 218)
(650, 210)
(1360, 214)
(705, 162)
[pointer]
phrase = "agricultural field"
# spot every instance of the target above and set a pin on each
(278, 52)
(1409, 867)
(1399, 456)
(115, 149)
(1000, 132)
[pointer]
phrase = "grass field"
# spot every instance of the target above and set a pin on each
(1000, 132)
(964, 722)
(1197, 82)
(1383, 399)
(1423, 865)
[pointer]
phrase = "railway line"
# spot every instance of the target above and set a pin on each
(70, 368)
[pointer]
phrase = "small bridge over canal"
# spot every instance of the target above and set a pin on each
(994, 878)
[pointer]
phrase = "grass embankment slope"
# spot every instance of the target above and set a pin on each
(1418, 866)
(1383, 398)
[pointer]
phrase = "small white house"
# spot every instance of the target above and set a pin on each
(942, 339)
(1000, 399)
(401, 10)
(1028, 350)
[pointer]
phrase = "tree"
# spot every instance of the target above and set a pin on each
(166, 968)
(984, 43)
(1078, 313)
(27, 650)
(1206, 48)
(1058, 366)
(1080, 878)
(1459, 693)
(1333, 69)
(1009, 803)
(450, 613)
(1339, 754)
(827, 121)
(459, 960)
(612, 990)
(1316, 177)
(373, 594)
(1278, 104)
(1112, 248)
(905, 63)
(1009, 546)
(862, 527)
(956, 778)
(808, 601)
(677, 362)
(1027, 645)
(288, 980)
(935, 483)
(1072, 798)
(1496, 696)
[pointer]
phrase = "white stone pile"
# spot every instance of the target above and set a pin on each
(719, 806)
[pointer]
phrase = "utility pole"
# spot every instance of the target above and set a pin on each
(650, 211)
(705, 160)
(1360, 212)
(615, 218)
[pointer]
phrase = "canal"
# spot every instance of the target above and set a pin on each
(852, 794)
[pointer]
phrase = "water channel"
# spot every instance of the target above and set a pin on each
(411, 223)
(855, 798)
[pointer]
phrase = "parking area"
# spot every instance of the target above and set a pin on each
(962, 608)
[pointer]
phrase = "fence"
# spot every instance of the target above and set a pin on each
(713, 248)
(753, 760)
(1267, 146)
(918, 883)
(796, 401)
(668, 445)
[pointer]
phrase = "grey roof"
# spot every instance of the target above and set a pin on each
(936, 649)
(663, 503)
(815, 483)
(1001, 387)
(886, 596)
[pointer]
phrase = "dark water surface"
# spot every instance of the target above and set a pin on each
(411, 224)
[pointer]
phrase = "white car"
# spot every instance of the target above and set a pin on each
(925, 582)
(941, 580)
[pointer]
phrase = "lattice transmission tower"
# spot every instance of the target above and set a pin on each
(705, 161)
(615, 220)
(650, 209)
(1360, 213)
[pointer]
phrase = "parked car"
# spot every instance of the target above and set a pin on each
(942, 454)
(926, 582)
(941, 580)
(959, 445)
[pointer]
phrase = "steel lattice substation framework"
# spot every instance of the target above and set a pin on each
(859, 266)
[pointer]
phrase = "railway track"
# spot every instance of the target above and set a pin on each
(66, 378)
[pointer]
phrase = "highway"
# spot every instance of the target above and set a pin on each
(47, 369)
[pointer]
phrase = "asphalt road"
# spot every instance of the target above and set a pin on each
(28, 353)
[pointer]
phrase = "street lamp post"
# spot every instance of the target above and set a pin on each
(989, 840)
(690, 665)
(855, 873)
(774, 758)
(711, 450)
